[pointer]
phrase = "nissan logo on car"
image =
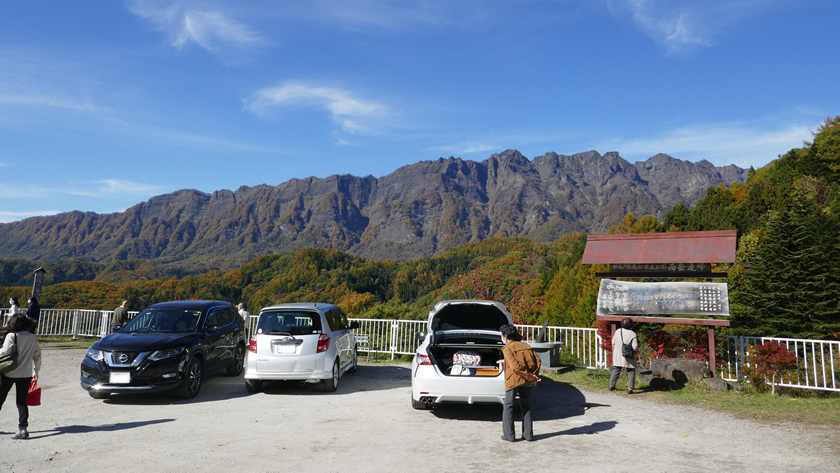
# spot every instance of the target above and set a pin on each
(123, 358)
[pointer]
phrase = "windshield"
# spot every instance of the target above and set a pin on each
(164, 321)
(291, 322)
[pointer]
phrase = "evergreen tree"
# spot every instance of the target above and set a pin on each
(794, 285)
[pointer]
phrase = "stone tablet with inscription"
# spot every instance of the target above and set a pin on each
(662, 298)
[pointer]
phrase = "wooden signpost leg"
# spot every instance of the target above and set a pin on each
(712, 360)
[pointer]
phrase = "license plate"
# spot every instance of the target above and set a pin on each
(120, 377)
(286, 348)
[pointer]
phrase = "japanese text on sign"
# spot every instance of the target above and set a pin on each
(663, 298)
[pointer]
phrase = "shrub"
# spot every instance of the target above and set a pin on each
(773, 358)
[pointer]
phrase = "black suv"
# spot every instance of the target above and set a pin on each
(168, 346)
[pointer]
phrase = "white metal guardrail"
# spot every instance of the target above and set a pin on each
(818, 361)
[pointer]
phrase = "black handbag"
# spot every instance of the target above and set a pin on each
(10, 361)
(627, 350)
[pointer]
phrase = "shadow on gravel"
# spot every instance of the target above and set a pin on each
(218, 387)
(215, 387)
(366, 378)
(595, 428)
(83, 429)
(551, 400)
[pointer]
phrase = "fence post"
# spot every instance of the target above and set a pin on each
(76, 314)
(393, 338)
(103, 324)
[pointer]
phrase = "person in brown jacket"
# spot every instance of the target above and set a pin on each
(521, 368)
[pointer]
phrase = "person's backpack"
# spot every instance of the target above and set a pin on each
(627, 350)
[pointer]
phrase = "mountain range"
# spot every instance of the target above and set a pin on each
(417, 211)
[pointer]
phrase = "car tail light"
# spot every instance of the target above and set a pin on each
(423, 360)
(323, 343)
(252, 344)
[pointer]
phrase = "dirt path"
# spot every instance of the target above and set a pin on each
(369, 425)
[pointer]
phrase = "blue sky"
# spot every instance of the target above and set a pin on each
(104, 104)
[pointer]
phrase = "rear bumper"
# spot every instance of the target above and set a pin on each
(318, 373)
(428, 385)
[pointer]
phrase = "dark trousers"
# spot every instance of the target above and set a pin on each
(21, 390)
(524, 406)
(631, 376)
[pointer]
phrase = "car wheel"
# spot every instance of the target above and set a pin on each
(419, 405)
(192, 381)
(96, 394)
(238, 361)
(330, 385)
(253, 385)
(355, 361)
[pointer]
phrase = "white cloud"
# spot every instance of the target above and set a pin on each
(680, 25)
(466, 147)
(740, 143)
(33, 80)
(109, 187)
(354, 114)
(399, 15)
(6, 216)
(210, 29)
(675, 26)
(101, 188)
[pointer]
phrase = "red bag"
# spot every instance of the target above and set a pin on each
(33, 398)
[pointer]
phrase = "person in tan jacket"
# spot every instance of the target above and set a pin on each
(521, 368)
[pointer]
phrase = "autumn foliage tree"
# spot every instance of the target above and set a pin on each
(773, 358)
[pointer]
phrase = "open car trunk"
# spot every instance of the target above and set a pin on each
(467, 352)
(466, 340)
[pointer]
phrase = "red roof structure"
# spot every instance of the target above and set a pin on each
(656, 248)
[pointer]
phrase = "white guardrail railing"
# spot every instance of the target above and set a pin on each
(818, 361)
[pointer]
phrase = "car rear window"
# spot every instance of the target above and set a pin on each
(288, 321)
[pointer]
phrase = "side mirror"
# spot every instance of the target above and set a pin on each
(211, 328)
(420, 336)
(354, 325)
(116, 328)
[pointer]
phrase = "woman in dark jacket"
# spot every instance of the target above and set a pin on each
(33, 312)
(29, 363)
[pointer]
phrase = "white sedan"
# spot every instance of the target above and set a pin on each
(459, 359)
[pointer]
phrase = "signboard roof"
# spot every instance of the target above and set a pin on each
(655, 248)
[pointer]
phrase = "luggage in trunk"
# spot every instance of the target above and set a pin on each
(443, 358)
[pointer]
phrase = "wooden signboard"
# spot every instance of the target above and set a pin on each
(663, 298)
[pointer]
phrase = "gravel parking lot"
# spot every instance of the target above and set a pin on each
(369, 425)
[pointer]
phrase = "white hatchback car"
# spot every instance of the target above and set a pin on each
(306, 342)
(458, 360)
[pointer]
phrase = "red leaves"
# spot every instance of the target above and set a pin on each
(773, 357)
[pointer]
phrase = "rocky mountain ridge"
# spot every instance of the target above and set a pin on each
(419, 210)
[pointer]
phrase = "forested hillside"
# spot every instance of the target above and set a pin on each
(786, 281)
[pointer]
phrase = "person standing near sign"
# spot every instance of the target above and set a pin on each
(624, 336)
